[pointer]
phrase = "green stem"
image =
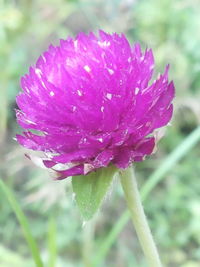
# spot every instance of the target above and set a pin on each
(88, 236)
(138, 217)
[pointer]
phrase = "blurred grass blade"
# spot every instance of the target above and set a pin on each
(110, 239)
(52, 242)
(3, 106)
(178, 153)
(23, 222)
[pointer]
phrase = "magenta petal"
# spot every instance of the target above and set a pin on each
(49, 163)
(145, 147)
(123, 157)
(135, 153)
(76, 156)
(77, 170)
(103, 159)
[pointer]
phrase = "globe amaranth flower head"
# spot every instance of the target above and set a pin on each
(91, 104)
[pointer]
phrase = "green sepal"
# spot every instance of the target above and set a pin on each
(90, 190)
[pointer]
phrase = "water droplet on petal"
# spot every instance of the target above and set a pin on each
(74, 108)
(109, 96)
(75, 44)
(87, 68)
(103, 44)
(110, 71)
(79, 92)
(102, 109)
(38, 72)
(137, 90)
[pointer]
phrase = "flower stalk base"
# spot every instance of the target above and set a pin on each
(130, 188)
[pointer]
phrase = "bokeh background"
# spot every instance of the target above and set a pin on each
(172, 29)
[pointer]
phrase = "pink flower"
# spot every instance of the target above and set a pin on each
(91, 101)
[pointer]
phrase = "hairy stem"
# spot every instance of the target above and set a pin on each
(129, 185)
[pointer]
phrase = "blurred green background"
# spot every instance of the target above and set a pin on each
(172, 29)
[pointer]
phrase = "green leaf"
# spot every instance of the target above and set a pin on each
(90, 190)
(23, 222)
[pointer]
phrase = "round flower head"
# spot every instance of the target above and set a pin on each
(92, 104)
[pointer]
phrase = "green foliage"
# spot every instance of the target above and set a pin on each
(9, 258)
(91, 189)
(23, 222)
